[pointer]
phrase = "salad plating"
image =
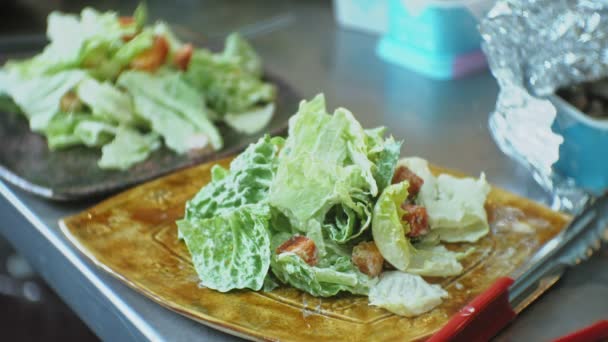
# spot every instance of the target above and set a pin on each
(112, 82)
(332, 209)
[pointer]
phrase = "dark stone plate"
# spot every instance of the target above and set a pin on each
(71, 174)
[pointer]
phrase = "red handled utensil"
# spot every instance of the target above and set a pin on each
(494, 308)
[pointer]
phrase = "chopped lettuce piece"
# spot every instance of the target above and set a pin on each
(230, 250)
(76, 41)
(455, 205)
(389, 233)
(106, 101)
(324, 173)
(405, 294)
(434, 261)
(94, 133)
(239, 49)
(247, 181)
(341, 276)
(174, 109)
(458, 213)
(129, 147)
(387, 228)
(60, 130)
(39, 98)
(141, 14)
(133, 47)
(250, 121)
(227, 86)
(384, 153)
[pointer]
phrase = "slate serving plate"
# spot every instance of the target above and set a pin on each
(133, 236)
(71, 174)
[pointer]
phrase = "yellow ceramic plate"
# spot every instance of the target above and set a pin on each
(133, 236)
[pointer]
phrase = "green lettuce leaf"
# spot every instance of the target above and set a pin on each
(324, 173)
(142, 41)
(458, 213)
(384, 153)
(76, 41)
(141, 14)
(405, 294)
(247, 181)
(341, 276)
(230, 250)
(129, 147)
(455, 205)
(389, 233)
(227, 85)
(70, 129)
(107, 102)
(250, 121)
(174, 109)
(39, 98)
(388, 230)
(238, 49)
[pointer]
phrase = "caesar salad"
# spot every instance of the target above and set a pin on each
(333, 209)
(115, 83)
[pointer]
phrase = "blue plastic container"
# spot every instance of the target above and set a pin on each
(440, 39)
(583, 154)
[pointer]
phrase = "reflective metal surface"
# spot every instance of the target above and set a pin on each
(443, 121)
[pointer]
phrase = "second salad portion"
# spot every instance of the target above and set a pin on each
(333, 209)
(113, 82)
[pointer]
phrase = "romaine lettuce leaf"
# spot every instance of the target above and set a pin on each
(250, 121)
(324, 173)
(341, 276)
(241, 51)
(174, 109)
(60, 130)
(384, 153)
(230, 250)
(39, 98)
(458, 213)
(133, 47)
(129, 147)
(107, 102)
(389, 233)
(228, 87)
(247, 181)
(435, 261)
(405, 294)
(75, 41)
(387, 228)
(94, 133)
(455, 205)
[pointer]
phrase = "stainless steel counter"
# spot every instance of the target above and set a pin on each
(444, 121)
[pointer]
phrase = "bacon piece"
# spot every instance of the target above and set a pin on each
(182, 56)
(418, 219)
(302, 246)
(154, 57)
(404, 173)
(368, 259)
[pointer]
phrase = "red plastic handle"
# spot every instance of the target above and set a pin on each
(592, 333)
(482, 318)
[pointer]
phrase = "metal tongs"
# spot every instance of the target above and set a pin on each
(493, 309)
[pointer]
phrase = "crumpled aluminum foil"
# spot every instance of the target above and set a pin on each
(535, 47)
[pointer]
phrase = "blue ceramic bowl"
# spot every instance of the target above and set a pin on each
(583, 156)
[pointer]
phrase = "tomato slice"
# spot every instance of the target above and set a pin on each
(153, 58)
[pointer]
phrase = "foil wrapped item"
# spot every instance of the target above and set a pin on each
(535, 47)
